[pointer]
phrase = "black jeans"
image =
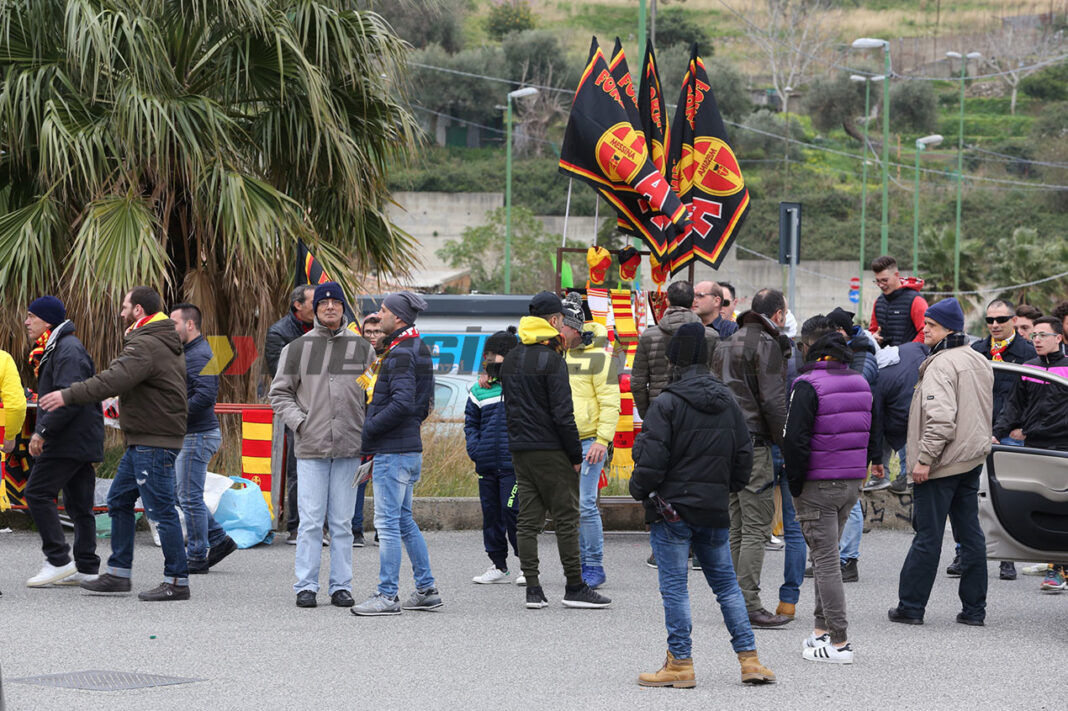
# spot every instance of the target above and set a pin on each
(292, 514)
(77, 480)
(498, 493)
(958, 497)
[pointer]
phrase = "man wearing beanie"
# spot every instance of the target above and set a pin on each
(65, 444)
(545, 447)
(149, 378)
(693, 452)
(317, 394)
(401, 385)
(595, 395)
(949, 434)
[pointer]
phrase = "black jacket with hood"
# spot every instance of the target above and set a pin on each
(694, 450)
(75, 432)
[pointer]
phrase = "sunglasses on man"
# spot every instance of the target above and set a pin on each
(998, 319)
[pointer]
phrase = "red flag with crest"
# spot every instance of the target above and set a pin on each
(602, 147)
(704, 173)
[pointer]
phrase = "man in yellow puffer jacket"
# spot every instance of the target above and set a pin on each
(12, 402)
(595, 394)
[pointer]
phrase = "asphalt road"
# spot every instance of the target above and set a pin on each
(251, 648)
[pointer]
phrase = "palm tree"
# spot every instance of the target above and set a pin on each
(936, 256)
(1023, 257)
(187, 144)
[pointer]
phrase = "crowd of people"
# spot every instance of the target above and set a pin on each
(732, 410)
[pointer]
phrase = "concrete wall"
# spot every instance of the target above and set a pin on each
(434, 218)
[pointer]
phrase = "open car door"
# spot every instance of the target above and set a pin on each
(1023, 495)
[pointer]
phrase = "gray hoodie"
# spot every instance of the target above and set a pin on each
(650, 372)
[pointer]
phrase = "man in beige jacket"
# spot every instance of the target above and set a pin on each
(948, 440)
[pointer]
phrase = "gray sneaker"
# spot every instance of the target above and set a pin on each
(377, 604)
(877, 484)
(428, 599)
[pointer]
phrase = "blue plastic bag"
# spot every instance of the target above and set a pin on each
(244, 515)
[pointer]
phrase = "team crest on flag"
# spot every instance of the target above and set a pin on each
(704, 173)
(603, 148)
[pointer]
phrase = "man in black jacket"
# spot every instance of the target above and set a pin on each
(1036, 411)
(202, 441)
(65, 444)
(546, 450)
(693, 452)
(281, 333)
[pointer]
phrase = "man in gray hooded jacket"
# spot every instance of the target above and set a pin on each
(650, 372)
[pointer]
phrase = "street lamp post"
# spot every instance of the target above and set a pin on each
(870, 43)
(517, 94)
(864, 172)
(921, 144)
(960, 160)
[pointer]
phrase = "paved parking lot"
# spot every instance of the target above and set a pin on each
(250, 648)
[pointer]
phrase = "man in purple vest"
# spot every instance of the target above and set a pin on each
(827, 449)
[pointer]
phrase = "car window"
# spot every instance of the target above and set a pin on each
(442, 396)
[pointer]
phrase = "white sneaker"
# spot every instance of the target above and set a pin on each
(521, 581)
(829, 654)
(50, 574)
(77, 579)
(775, 544)
(812, 641)
(492, 575)
(1036, 569)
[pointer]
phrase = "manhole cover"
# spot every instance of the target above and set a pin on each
(104, 680)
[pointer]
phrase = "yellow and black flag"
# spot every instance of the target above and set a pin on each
(704, 173)
(603, 148)
(310, 271)
(652, 112)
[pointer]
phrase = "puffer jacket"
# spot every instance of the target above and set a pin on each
(537, 393)
(650, 372)
(203, 389)
(1037, 407)
(893, 391)
(594, 386)
(403, 398)
(752, 364)
(149, 378)
(75, 432)
(486, 429)
(316, 394)
(281, 333)
(949, 417)
(863, 360)
(12, 397)
(694, 451)
(898, 316)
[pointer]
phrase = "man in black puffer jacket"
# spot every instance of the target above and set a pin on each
(65, 444)
(546, 450)
(693, 452)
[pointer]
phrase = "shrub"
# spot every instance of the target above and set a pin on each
(1050, 84)
(507, 16)
(675, 26)
(833, 101)
(913, 107)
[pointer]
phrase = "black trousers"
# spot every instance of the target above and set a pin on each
(77, 481)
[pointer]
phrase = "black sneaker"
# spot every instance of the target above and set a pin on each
(357, 540)
(342, 598)
(164, 592)
(1008, 570)
(651, 562)
(585, 597)
(849, 571)
(900, 486)
(694, 563)
(107, 583)
(970, 621)
(953, 570)
(198, 567)
(896, 615)
(220, 551)
(306, 598)
(808, 572)
(536, 598)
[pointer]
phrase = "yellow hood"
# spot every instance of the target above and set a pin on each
(533, 329)
(600, 337)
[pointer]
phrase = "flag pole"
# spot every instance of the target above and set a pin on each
(567, 211)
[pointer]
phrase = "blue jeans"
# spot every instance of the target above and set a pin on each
(147, 472)
(671, 544)
(849, 544)
(357, 515)
(191, 468)
(325, 495)
(395, 477)
(591, 534)
(901, 456)
(796, 552)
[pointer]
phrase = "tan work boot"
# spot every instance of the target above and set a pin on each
(675, 672)
(786, 610)
(753, 672)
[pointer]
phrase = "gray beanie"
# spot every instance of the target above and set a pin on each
(405, 305)
(573, 315)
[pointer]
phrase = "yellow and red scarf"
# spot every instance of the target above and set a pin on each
(998, 347)
(37, 352)
(144, 321)
(370, 376)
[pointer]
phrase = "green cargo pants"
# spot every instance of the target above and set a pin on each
(547, 482)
